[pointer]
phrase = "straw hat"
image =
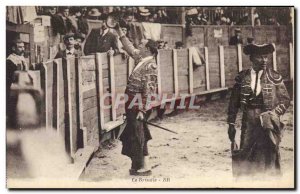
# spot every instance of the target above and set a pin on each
(192, 11)
(94, 12)
(144, 12)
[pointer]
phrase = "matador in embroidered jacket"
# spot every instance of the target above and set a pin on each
(261, 95)
(141, 86)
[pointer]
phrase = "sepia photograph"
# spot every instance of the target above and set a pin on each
(150, 97)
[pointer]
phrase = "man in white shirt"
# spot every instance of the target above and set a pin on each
(262, 96)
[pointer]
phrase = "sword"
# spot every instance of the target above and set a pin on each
(160, 127)
(124, 117)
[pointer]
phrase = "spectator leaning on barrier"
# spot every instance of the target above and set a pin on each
(250, 40)
(178, 45)
(237, 38)
(101, 40)
(69, 41)
(161, 44)
(141, 83)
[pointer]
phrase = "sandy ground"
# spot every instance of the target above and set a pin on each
(199, 156)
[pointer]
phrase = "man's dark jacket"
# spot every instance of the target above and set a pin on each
(97, 43)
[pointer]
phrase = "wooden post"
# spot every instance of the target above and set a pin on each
(206, 68)
(58, 78)
(112, 87)
(222, 67)
(80, 94)
(240, 60)
(159, 74)
(291, 52)
(46, 96)
(191, 81)
(274, 58)
(70, 107)
(100, 87)
(175, 68)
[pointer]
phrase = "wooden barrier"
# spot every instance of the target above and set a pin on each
(77, 90)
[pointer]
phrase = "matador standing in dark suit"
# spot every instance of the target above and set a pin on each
(141, 85)
(262, 96)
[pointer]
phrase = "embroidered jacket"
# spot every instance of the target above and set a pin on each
(275, 95)
(142, 83)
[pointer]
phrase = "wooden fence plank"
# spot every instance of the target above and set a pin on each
(58, 81)
(80, 95)
(191, 83)
(100, 87)
(112, 87)
(240, 62)
(175, 68)
(46, 97)
(206, 68)
(159, 74)
(222, 67)
(69, 102)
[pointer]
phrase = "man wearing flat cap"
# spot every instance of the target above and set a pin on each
(237, 38)
(259, 92)
(142, 84)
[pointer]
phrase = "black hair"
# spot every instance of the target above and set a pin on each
(152, 45)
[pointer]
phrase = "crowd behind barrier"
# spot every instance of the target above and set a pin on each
(78, 88)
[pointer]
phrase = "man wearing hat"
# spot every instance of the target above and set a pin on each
(144, 14)
(94, 14)
(178, 45)
(262, 97)
(142, 84)
(237, 38)
(69, 41)
(101, 40)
